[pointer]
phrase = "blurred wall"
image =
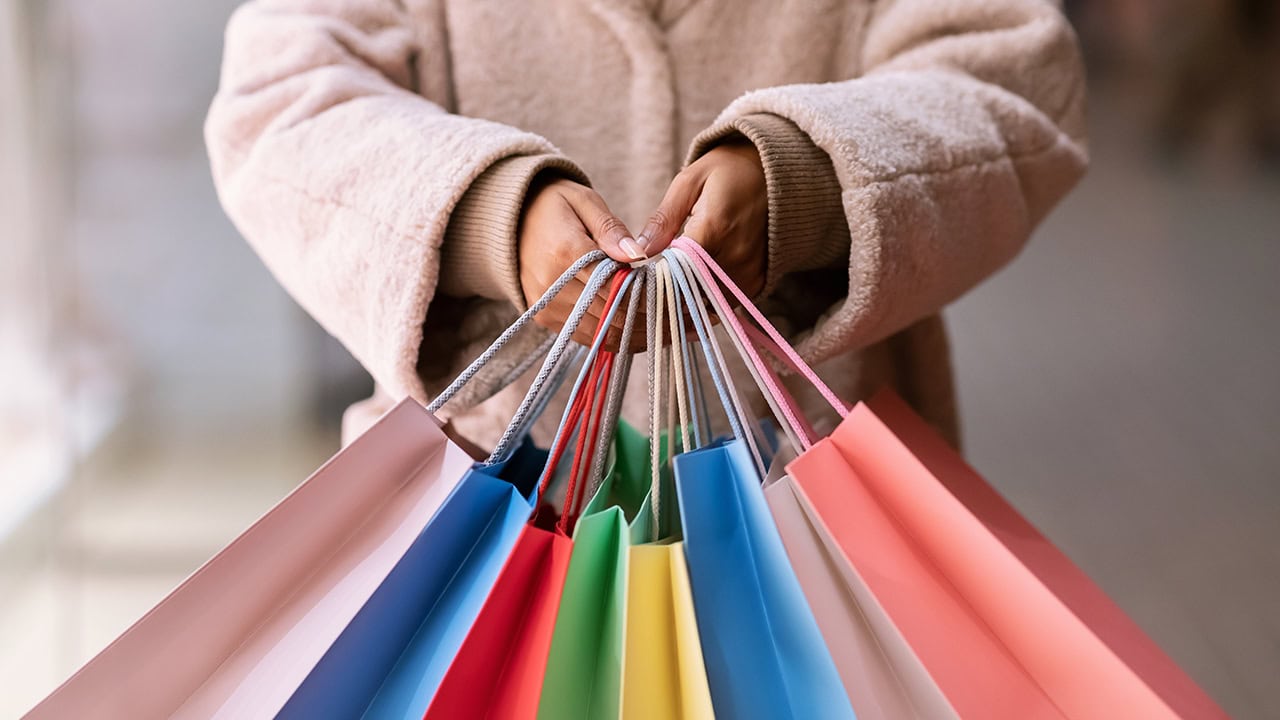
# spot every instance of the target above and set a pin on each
(198, 321)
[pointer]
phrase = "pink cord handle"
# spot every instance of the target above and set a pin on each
(778, 398)
(790, 413)
(705, 263)
(765, 342)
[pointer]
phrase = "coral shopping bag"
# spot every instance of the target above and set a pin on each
(243, 631)
(499, 670)
(996, 640)
(1049, 564)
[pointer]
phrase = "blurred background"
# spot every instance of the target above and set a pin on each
(158, 391)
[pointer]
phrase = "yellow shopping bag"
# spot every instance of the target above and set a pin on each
(663, 675)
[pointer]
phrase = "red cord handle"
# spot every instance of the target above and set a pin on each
(584, 416)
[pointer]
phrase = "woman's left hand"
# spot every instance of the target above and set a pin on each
(721, 200)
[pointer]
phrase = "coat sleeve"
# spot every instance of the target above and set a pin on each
(335, 156)
(963, 129)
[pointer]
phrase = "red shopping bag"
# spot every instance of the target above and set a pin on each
(1053, 568)
(498, 672)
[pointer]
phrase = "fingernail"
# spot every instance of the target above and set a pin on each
(643, 240)
(630, 247)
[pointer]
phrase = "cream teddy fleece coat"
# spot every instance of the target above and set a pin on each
(376, 153)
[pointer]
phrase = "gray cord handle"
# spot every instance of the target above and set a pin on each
(617, 385)
(585, 371)
(459, 382)
(599, 276)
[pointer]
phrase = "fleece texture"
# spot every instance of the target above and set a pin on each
(376, 154)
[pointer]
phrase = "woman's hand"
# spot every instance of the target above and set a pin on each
(561, 221)
(721, 200)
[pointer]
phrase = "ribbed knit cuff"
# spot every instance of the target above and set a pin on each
(807, 226)
(480, 256)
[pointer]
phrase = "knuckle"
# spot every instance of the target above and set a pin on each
(661, 219)
(687, 180)
(609, 225)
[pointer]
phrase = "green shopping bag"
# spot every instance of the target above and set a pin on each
(584, 665)
(584, 668)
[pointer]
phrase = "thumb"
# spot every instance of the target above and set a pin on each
(608, 232)
(667, 220)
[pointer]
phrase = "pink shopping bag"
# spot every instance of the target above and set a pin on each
(237, 637)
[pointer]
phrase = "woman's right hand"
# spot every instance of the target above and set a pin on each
(561, 221)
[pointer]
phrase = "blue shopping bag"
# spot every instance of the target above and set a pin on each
(764, 655)
(389, 661)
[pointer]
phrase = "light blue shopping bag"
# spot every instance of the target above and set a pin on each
(764, 655)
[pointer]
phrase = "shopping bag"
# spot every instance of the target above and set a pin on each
(239, 635)
(663, 670)
(1050, 565)
(391, 658)
(763, 654)
(999, 644)
(882, 675)
(1010, 647)
(584, 668)
(664, 675)
(584, 665)
(498, 671)
(765, 657)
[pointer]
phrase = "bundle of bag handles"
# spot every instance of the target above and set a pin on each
(683, 280)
